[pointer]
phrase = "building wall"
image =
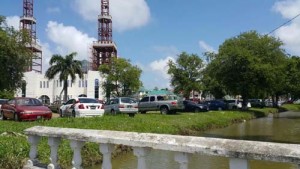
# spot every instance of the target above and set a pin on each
(38, 85)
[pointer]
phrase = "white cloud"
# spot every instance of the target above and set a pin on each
(205, 47)
(289, 34)
(167, 50)
(287, 8)
(13, 21)
(68, 39)
(126, 15)
(47, 54)
(161, 67)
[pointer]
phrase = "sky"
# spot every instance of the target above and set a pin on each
(151, 32)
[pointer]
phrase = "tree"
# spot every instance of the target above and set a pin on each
(186, 73)
(293, 77)
(121, 78)
(14, 57)
(64, 67)
(250, 64)
(211, 85)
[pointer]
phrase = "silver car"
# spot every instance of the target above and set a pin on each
(119, 105)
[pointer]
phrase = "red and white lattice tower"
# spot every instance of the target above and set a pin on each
(28, 24)
(103, 49)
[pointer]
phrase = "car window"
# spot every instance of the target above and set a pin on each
(127, 100)
(145, 99)
(28, 102)
(11, 101)
(152, 98)
(70, 101)
(160, 98)
(88, 100)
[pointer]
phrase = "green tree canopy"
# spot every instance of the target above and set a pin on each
(64, 67)
(186, 73)
(121, 78)
(250, 65)
(14, 57)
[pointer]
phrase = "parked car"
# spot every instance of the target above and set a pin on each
(257, 103)
(81, 107)
(25, 108)
(54, 107)
(119, 105)
(216, 105)
(232, 104)
(165, 104)
(2, 101)
(190, 106)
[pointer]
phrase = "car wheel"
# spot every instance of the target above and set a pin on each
(73, 113)
(164, 110)
(60, 113)
(197, 110)
(113, 112)
(16, 117)
(143, 112)
(131, 114)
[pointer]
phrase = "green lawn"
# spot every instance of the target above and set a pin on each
(292, 107)
(14, 147)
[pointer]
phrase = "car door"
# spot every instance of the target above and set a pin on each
(9, 109)
(143, 104)
(65, 108)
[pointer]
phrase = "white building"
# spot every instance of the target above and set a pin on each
(38, 86)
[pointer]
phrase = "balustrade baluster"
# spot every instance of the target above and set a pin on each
(33, 140)
(76, 147)
(53, 142)
(106, 150)
(239, 163)
(182, 159)
(141, 154)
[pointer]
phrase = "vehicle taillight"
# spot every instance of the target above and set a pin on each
(77, 101)
(174, 103)
(81, 106)
(121, 106)
(101, 107)
(136, 106)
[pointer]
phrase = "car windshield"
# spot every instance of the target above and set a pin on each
(3, 101)
(29, 102)
(127, 100)
(88, 100)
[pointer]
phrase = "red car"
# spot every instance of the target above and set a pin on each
(24, 108)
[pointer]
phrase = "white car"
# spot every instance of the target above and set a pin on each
(81, 107)
(119, 105)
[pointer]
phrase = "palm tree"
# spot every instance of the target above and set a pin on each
(65, 67)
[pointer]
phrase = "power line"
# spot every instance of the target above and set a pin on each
(283, 24)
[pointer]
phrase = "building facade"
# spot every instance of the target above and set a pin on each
(36, 85)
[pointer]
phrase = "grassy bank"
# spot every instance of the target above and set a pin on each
(14, 147)
(291, 107)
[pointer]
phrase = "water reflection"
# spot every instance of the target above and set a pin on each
(284, 128)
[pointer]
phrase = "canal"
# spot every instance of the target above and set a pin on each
(280, 128)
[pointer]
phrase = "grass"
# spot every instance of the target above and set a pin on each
(291, 107)
(14, 147)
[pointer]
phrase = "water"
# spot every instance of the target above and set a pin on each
(281, 128)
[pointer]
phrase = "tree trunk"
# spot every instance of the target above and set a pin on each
(65, 90)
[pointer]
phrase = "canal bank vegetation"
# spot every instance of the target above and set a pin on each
(14, 147)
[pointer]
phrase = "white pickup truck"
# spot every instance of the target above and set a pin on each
(168, 104)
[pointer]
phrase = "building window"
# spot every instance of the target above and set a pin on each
(44, 84)
(41, 84)
(71, 83)
(79, 83)
(60, 84)
(47, 84)
(57, 83)
(86, 83)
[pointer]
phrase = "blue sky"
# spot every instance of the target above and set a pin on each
(151, 32)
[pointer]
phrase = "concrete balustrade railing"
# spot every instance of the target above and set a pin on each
(238, 151)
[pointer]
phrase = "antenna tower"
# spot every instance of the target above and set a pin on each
(104, 49)
(28, 24)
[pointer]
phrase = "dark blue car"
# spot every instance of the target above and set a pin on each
(216, 105)
(190, 106)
